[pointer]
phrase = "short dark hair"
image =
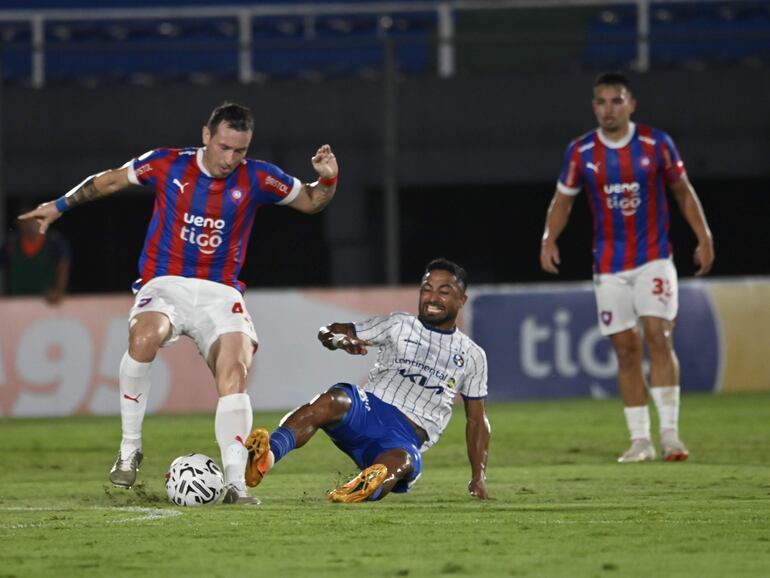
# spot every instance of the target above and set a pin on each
(446, 265)
(236, 116)
(613, 78)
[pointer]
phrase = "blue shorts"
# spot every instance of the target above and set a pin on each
(371, 427)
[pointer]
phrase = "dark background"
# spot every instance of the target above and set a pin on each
(475, 159)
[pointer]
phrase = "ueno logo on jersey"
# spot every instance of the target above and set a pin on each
(204, 232)
(624, 197)
(271, 181)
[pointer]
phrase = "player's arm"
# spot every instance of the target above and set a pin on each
(94, 187)
(555, 221)
(477, 432)
(691, 208)
(342, 336)
(314, 197)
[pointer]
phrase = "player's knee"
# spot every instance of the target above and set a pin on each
(336, 400)
(144, 341)
(629, 352)
(659, 343)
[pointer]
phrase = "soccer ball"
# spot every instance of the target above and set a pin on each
(194, 480)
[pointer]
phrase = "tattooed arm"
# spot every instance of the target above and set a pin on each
(94, 187)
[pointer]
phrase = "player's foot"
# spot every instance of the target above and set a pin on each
(360, 487)
(123, 472)
(236, 495)
(260, 458)
(672, 447)
(641, 450)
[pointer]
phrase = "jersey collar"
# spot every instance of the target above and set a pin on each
(436, 329)
(610, 144)
(199, 160)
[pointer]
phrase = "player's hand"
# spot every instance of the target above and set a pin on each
(45, 214)
(353, 345)
(549, 257)
(704, 257)
(325, 163)
(478, 488)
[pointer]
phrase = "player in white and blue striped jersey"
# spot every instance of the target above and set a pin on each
(422, 364)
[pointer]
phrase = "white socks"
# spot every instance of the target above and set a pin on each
(638, 421)
(667, 402)
(134, 387)
(232, 426)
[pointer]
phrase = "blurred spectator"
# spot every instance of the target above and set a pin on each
(36, 264)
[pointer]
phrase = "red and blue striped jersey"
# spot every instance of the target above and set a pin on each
(200, 225)
(626, 187)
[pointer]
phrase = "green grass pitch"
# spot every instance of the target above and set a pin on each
(563, 506)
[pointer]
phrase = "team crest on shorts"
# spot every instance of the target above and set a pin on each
(458, 360)
(606, 317)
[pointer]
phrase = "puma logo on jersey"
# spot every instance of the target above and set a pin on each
(180, 185)
(593, 167)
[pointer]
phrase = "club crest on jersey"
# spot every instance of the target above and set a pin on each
(236, 195)
(458, 360)
(450, 383)
(606, 317)
(644, 162)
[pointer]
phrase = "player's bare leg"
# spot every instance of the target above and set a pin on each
(664, 384)
(628, 348)
(376, 481)
(229, 359)
(147, 332)
(295, 431)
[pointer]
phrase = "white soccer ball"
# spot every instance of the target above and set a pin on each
(194, 480)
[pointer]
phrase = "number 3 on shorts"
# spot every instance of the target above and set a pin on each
(661, 286)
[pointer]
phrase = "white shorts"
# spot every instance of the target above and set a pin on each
(203, 310)
(648, 291)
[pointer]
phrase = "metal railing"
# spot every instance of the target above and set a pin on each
(445, 11)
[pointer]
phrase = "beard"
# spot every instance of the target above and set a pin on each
(436, 318)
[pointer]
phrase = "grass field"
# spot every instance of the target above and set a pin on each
(562, 507)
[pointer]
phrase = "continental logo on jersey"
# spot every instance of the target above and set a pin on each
(270, 182)
(623, 197)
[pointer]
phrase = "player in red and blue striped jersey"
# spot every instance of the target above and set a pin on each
(195, 246)
(625, 169)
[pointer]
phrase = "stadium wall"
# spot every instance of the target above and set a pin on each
(541, 342)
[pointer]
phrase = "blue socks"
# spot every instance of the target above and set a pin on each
(375, 495)
(282, 442)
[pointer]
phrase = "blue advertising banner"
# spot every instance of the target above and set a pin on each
(546, 344)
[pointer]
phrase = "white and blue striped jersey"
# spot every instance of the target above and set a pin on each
(419, 369)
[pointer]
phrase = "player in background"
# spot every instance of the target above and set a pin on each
(423, 362)
(625, 168)
(195, 246)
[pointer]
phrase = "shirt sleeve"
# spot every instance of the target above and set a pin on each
(671, 163)
(376, 330)
(274, 185)
(474, 384)
(146, 169)
(571, 177)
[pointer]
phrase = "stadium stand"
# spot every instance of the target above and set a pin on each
(197, 49)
